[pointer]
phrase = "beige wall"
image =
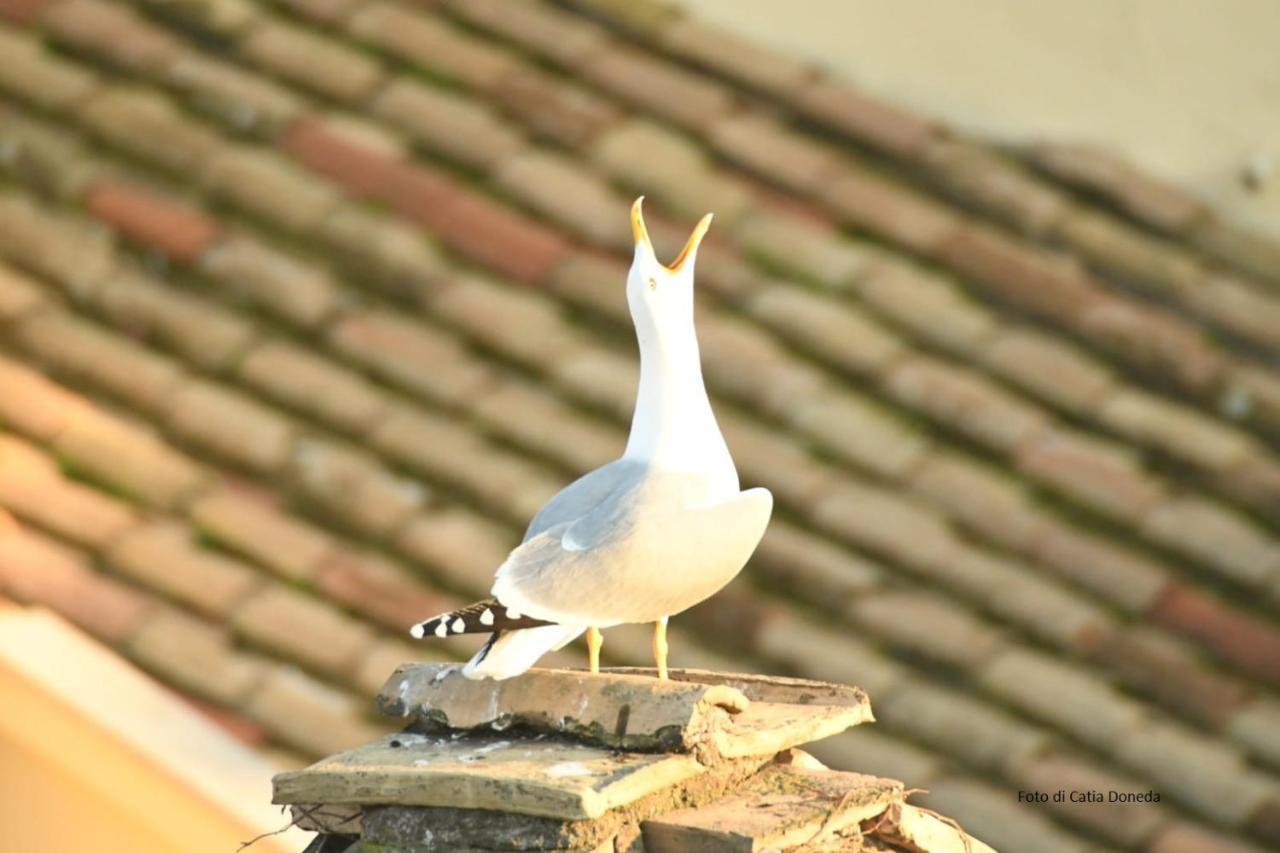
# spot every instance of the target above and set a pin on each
(1188, 88)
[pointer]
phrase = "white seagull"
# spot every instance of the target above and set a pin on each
(644, 537)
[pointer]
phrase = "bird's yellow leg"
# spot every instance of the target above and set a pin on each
(594, 641)
(660, 646)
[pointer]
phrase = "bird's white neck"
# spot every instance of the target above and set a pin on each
(673, 426)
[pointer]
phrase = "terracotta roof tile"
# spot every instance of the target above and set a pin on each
(884, 522)
(1159, 203)
(1209, 777)
(747, 363)
(802, 246)
(657, 87)
(107, 450)
(391, 254)
(231, 426)
(866, 118)
(39, 493)
(961, 725)
(23, 12)
(1176, 429)
(196, 656)
(308, 715)
(1239, 245)
(812, 650)
(459, 545)
(208, 335)
(309, 383)
(1027, 278)
(1129, 825)
(315, 62)
(554, 109)
(234, 96)
(172, 227)
(867, 200)
(723, 52)
(1238, 308)
(1257, 726)
(954, 636)
(765, 456)
(39, 155)
(225, 18)
(462, 129)
(1064, 695)
(1249, 642)
(409, 354)
(764, 146)
(540, 422)
(1221, 538)
(927, 306)
(1148, 662)
(326, 12)
(259, 275)
(1184, 837)
(977, 175)
(996, 816)
(860, 430)
(600, 377)
(50, 83)
(1118, 574)
(1092, 472)
(270, 187)
(41, 571)
(1253, 393)
(1048, 367)
(354, 486)
(75, 254)
(33, 405)
(813, 568)
(877, 753)
(1152, 341)
(981, 496)
(377, 588)
(1140, 260)
(422, 39)
(538, 26)
(165, 557)
(594, 282)
(251, 524)
(361, 169)
(1018, 594)
(75, 348)
(149, 126)
(303, 628)
(967, 401)
(114, 33)
(520, 324)
(561, 191)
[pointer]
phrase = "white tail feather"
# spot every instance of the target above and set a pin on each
(516, 651)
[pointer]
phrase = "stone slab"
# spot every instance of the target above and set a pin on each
(780, 808)
(548, 777)
(712, 715)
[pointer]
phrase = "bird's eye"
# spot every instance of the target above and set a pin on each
(653, 284)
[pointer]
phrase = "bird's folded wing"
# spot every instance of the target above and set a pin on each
(635, 554)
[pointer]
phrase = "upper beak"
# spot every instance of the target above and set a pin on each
(641, 235)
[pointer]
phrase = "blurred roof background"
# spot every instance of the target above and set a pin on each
(274, 278)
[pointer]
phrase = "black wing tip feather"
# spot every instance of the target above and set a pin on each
(483, 617)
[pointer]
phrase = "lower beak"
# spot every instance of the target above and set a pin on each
(641, 235)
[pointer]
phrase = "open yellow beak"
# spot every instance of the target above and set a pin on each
(641, 234)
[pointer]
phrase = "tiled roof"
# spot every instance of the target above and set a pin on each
(306, 307)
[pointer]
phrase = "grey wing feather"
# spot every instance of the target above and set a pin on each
(584, 495)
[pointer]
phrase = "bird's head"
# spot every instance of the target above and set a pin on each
(659, 295)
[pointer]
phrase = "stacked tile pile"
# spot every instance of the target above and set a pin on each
(306, 306)
(612, 761)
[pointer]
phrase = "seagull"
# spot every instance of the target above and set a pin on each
(644, 537)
